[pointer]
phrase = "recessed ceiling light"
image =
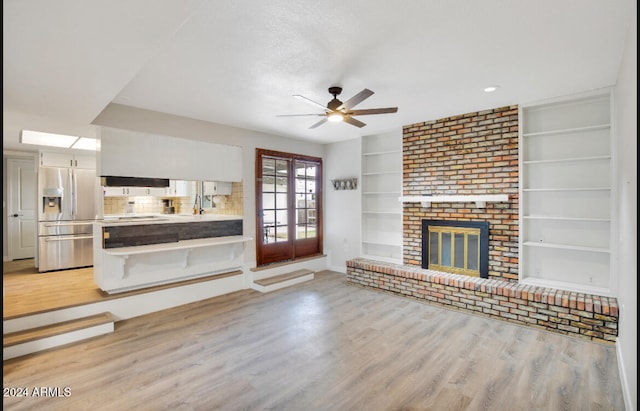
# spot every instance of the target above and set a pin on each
(84, 143)
(57, 140)
(490, 89)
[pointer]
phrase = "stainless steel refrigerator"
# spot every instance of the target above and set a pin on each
(66, 212)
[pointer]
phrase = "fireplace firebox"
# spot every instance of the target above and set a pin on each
(460, 247)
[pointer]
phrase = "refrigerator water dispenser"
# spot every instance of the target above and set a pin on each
(52, 201)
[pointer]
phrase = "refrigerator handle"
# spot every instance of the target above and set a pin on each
(74, 194)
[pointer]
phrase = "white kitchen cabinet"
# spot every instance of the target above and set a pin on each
(182, 188)
(129, 153)
(216, 188)
(134, 191)
(156, 191)
(381, 188)
(59, 159)
(566, 194)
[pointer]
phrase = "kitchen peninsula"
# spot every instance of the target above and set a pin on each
(134, 252)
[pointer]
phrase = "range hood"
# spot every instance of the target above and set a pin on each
(116, 181)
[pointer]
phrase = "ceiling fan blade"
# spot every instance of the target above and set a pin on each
(353, 121)
(303, 98)
(357, 99)
(373, 111)
(299, 115)
(319, 123)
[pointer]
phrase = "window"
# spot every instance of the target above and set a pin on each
(288, 201)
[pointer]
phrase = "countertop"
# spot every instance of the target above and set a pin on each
(134, 219)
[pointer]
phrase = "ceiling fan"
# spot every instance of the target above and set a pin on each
(336, 110)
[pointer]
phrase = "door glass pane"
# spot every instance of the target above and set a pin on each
(281, 225)
(301, 231)
(281, 200)
(282, 167)
(274, 199)
(305, 173)
(281, 184)
(268, 227)
(268, 166)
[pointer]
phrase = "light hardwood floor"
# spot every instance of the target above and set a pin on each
(26, 291)
(320, 345)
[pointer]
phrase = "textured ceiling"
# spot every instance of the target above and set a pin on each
(240, 62)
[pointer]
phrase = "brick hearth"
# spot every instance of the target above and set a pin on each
(581, 315)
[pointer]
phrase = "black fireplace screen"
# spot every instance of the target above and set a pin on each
(460, 247)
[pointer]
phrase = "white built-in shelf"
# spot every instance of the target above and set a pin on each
(381, 171)
(376, 193)
(566, 247)
(386, 244)
(566, 185)
(380, 153)
(383, 212)
(560, 218)
(480, 199)
(569, 159)
(569, 189)
(378, 173)
(568, 130)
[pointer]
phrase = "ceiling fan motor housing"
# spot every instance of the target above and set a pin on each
(335, 103)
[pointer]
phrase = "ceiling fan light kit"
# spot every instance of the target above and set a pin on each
(337, 111)
(335, 117)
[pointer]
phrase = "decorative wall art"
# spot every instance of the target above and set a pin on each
(345, 183)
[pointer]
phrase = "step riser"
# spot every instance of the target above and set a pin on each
(282, 284)
(45, 343)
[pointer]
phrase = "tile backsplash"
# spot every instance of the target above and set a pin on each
(229, 205)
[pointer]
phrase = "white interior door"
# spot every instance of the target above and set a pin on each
(21, 212)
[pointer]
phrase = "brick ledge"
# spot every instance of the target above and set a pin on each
(583, 315)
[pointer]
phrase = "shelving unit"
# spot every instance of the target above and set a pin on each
(381, 186)
(566, 180)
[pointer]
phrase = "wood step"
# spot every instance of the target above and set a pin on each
(37, 339)
(283, 280)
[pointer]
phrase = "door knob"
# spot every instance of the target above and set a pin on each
(15, 215)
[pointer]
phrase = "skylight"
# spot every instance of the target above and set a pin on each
(57, 140)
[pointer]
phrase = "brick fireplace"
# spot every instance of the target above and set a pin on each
(470, 154)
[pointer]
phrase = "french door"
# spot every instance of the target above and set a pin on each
(288, 205)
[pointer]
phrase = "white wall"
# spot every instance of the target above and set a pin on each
(342, 207)
(626, 106)
(129, 118)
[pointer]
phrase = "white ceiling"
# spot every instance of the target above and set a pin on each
(239, 62)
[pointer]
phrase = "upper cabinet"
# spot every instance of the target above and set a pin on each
(129, 153)
(181, 188)
(216, 188)
(58, 159)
